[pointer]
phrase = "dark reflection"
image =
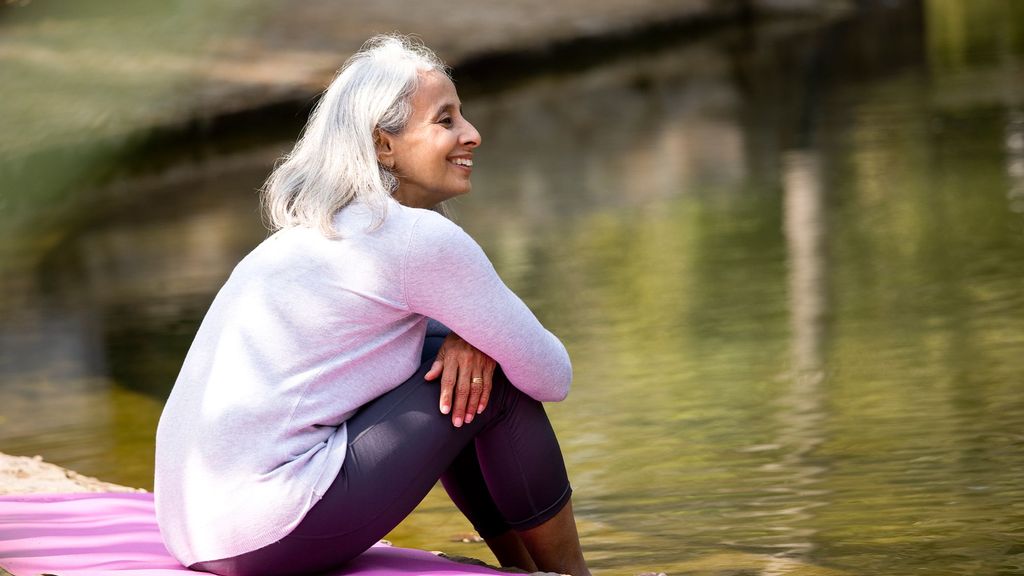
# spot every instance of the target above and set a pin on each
(786, 261)
(148, 275)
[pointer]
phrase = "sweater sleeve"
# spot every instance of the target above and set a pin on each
(449, 278)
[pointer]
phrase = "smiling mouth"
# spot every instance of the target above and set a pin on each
(462, 162)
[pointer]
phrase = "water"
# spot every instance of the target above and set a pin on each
(788, 264)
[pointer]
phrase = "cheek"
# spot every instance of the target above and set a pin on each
(408, 163)
(425, 157)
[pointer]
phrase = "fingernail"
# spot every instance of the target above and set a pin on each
(458, 422)
(445, 408)
(469, 418)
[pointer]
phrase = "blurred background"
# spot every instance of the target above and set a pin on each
(783, 242)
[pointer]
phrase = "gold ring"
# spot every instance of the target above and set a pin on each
(477, 380)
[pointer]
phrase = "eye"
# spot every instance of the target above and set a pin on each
(445, 121)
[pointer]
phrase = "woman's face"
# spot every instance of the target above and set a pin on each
(432, 157)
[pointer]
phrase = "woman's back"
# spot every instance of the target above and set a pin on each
(304, 332)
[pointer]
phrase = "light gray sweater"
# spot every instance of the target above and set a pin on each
(304, 332)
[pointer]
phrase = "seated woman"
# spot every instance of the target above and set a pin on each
(307, 420)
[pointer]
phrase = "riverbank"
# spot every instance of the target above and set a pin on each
(72, 74)
(88, 92)
(33, 475)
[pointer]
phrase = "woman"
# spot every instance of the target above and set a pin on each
(307, 420)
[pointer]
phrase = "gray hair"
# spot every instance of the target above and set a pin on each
(335, 160)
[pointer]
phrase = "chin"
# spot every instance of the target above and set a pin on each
(460, 192)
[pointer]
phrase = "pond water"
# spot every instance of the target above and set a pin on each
(788, 263)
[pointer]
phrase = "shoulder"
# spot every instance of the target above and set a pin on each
(429, 223)
(392, 218)
(433, 233)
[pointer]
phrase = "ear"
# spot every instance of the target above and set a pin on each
(383, 143)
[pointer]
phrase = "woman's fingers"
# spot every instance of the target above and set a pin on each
(446, 396)
(485, 392)
(449, 375)
(435, 369)
(476, 387)
(462, 394)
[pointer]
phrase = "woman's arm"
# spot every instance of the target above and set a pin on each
(449, 278)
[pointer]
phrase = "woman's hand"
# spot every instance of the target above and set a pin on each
(468, 372)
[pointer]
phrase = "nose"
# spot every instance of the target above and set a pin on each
(470, 137)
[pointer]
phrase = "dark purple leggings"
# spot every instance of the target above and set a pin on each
(504, 470)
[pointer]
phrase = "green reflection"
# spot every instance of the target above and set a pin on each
(964, 34)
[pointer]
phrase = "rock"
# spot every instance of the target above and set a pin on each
(475, 562)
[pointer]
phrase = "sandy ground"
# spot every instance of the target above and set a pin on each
(25, 474)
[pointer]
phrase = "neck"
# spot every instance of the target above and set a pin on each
(412, 200)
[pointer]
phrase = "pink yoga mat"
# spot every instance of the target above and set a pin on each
(116, 534)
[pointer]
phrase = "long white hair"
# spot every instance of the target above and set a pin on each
(335, 160)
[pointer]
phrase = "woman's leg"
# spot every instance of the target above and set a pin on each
(467, 488)
(554, 544)
(399, 445)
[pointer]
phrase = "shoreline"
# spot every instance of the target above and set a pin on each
(486, 68)
(33, 475)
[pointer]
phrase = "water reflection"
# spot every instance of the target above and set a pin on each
(787, 265)
(800, 407)
(1015, 159)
